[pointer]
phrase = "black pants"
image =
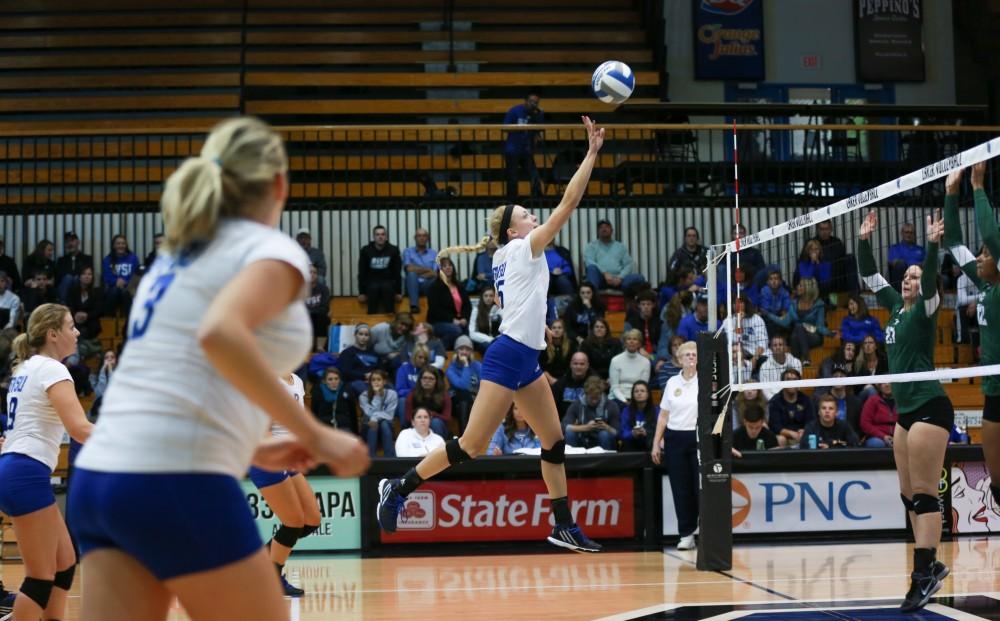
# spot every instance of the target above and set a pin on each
(381, 297)
(514, 162)
(803, 341)
(461, 407)
(680, 448)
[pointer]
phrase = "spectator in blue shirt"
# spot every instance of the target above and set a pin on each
(519, 150)
(562, 279)
(774, 303)
(904, 254)
(696, 322)
(609, 264)
(514, 433)
(407, 377)
(482, 270)
(420, 265)
(789, 412)
(638, 420)
(117, 270)
(463, 377)
(812, 265)
(859, 323)
(358, 361)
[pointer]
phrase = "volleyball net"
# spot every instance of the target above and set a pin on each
(815, 255)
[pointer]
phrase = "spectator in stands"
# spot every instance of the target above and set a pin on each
(484, 322)
(407, 378)
(676, 432)
(601, 347)
(569, 388)
(316, 256)
(754, 331)
(380, 279)
(554, 359)
(775, 303)
(742, 365)
(879, 417)
(69, 265)
(423, 333)
(332, 403)
(562, 277)
(775, 365)
(432, 394)
(420, 265)
(835, 253)
(318, 305)
(482, 271)
(966, 303)
(608, 263)
(519, 149)
(638, 420)
(418, 440)
(812, 265)
(751, 262)
(680, 306)
(463, 377)
(593, 420)
(753, 435)
(513, 434)
(41, 259)
(37, 290)
(644, 319)
(829, 431)
(842, 360)
(448, 306)
(378, 407)
(903, 254)
(389, 341)
(117, 270)
(628, 367)
(871, 360)
(580, 313)
(807, 320)
(691, 252)
(789, 411)
(358, 361)
(681, 278)
(100, 379)
(859, 322)
(10, 304)
(151, 257)
(848, 404)
(744, 401)
(85, 302)
(669, 365)
(9, 267)
(696, 322)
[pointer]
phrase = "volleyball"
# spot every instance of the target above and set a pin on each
(613, 82)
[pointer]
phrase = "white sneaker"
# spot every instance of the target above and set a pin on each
(686, 543)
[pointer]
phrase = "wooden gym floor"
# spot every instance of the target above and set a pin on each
(843, 581)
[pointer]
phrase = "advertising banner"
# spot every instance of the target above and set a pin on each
(512, 510)
(889, 43)
(340, 513)
(973, 509)
(728, 39)
(803, 502)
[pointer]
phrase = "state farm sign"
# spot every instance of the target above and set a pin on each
(512, 510)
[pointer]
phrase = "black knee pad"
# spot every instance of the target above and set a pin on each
(556, 454)
(455, 453)
(64, 578)
(308, 529)
(37, 590)
(288, 535)
(925, 503)
(906, 502)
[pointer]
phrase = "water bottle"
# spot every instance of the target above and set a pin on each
(812, 440)
(760, 444)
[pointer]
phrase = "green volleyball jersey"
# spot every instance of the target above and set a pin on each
(910, 334)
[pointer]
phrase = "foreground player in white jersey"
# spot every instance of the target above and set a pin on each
(510, 368)
(41, 401)
(290, 497)
(156, 504)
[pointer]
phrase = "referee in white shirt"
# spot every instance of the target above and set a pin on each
(676, 429)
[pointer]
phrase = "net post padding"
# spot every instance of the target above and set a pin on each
(715, 461)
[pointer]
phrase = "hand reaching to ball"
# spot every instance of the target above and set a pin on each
(595, 136)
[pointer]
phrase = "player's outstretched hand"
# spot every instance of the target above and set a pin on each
(868, 226)
(283, 453)
(595, 135)
(953, 182)
(343, 452)
(978, 175)
(935, 227)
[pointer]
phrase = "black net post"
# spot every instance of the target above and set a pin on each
(715, 502)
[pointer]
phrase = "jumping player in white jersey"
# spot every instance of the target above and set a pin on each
(510, 368)
(156, 505)
(41, 402)
(290, 497)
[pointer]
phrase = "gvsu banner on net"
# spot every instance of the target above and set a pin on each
(808, 501)
(512, 510)
(339, 510)
(728, 39)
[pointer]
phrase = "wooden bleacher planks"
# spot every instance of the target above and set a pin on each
(421, 79)
(119, 39)
(145, 79)
(330, 18)
(396, 57)
(435, 5)
(79, 103)
(81, 21)
(381, 37)
(583, 105)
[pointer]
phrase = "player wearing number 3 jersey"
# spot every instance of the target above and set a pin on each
(510, 368)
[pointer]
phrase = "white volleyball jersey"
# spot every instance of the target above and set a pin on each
(298, 392)
(33, 427)
(522, 284)
(167, 409)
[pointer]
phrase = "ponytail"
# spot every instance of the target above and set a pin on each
(22, 351)
(191, 202)
(450, 250)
